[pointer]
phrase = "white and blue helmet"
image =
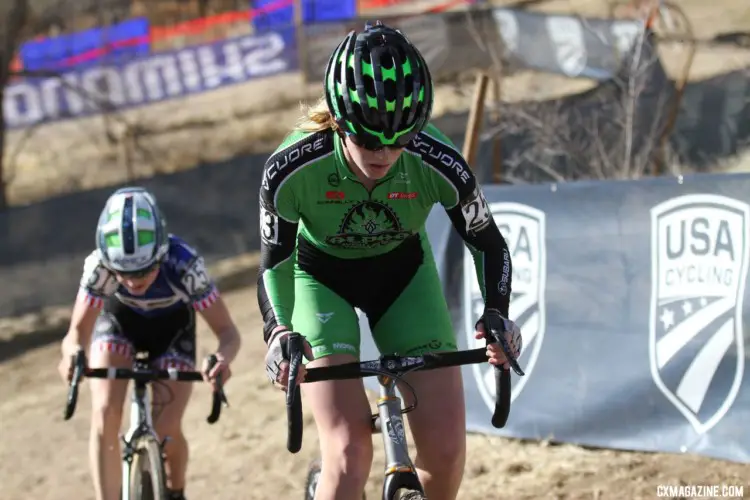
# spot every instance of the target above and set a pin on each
(131, 235)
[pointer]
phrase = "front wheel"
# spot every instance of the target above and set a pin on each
(313, 476)
(410, 495)
(147, 477)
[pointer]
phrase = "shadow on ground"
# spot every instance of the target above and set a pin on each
(214, 207)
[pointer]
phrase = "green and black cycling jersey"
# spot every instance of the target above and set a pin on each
(309, 194)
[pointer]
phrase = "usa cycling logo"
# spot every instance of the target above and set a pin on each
(698, 271)
(524, 230)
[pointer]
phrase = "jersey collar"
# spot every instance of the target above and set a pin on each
(342, 166)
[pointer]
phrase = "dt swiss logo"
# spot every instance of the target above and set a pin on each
(402, 196)
(335, 195)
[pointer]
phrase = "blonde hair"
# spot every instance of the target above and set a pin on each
(316, 118)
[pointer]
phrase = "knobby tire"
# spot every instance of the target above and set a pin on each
(409, 495)
(311, 483)
(147, 476)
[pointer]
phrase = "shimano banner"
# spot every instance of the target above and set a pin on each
(160, 76)
(631, 298)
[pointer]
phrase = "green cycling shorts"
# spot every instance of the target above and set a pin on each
(415, 321)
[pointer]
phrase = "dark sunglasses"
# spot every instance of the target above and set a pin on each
(372, 144)
(137, 274)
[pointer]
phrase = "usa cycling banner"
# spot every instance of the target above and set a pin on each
(631, 297)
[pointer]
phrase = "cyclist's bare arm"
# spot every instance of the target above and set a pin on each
(221, 324)
(81, 326)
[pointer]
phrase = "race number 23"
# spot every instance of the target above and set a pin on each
(269, 226)
(476, 212)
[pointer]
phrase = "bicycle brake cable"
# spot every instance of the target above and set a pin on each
(399, 378)
(157, 408)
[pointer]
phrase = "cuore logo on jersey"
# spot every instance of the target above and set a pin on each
(368, 224)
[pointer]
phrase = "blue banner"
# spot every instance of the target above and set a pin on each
(313, 11)
(158, 77)
(121, 42)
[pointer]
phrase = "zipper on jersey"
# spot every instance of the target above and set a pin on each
(379, 183)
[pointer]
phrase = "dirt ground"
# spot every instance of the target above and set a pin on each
(244, 455)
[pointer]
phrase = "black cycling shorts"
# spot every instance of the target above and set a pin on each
(168, 339)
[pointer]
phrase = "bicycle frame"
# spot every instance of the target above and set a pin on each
(141, 424)
(399, 469)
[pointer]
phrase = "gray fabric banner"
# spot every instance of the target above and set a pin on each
(632, 300)
(455, 42)
(568, 45)
(451, 43)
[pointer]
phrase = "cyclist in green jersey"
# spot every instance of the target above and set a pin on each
(343, 205)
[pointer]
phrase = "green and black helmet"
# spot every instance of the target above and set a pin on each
(378, 87)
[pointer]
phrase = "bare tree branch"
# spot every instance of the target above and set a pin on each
(611, 132)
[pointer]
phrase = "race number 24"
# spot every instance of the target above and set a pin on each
(476, 212)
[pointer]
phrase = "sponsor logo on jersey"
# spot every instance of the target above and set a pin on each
(402, 178)
(296, 156)
(368, 224)
(442, 156)
(147, 304)
(334, 180)
(335, 195)
(324, 317)
(524, 230)
(698, 271)
(402, 196)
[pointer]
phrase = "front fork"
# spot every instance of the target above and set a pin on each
(399, 469)
(140, 425)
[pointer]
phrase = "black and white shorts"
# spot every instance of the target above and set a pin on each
(168, 338)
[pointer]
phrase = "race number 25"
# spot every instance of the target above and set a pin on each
(196, 278)
(476, 212)
(269, 226)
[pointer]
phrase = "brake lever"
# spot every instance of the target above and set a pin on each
(293, 396)
(219, 398)
(79, 369)
(499, 337)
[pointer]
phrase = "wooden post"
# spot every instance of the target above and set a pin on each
(299, 29)
(497, 157)
(474, 122)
